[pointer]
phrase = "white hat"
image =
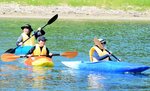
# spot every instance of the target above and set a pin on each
(102, 40)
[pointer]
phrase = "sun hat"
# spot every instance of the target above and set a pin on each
(27, 26)
(103, 41)
(42, 38)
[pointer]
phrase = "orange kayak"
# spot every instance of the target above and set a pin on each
(39, 61)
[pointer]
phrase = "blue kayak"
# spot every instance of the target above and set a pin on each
(107, 66)
(22, 50)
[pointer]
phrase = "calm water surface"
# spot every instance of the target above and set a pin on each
(129, 40)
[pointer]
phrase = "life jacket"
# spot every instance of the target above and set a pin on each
(99, 51)
(29, 42)
(38, 51)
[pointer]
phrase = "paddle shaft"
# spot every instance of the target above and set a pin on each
(44, 26)
(99, 45)
(113, 55)
(40, 55)
(56, 55)
(23, 42)
(9, 57)
(48, 23)
(32, 35)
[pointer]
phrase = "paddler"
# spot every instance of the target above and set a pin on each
(40, 49)
(27, 33)
(97, 54)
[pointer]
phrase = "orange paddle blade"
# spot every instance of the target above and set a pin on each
(98, 43)
(69, 54)
(9, 57)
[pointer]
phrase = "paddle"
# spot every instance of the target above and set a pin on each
(12, 50)
(29, 60)
(7, 57)
(97, 42)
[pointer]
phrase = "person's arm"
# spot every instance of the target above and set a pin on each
(39, 33)
(99, 57)
(47, 52)
(19, 40)
(31, 50)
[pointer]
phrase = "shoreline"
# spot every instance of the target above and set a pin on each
(71, 17)
(72, 13)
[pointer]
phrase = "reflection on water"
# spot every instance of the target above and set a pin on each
(94, 81)
(62, 78)
(38, 76)
(106, 81)
(12, 76)
(9, 67)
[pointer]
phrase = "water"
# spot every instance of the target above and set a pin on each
(128, 40)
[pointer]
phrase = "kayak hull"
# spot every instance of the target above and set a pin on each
(39, 61)
(22, 50)
(43, 63)
(107, 66)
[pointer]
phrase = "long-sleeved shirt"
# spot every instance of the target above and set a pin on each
(95, 55)
(36, 34)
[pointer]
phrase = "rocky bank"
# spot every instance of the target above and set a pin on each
(67, 12)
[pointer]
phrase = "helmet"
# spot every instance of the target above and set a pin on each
(103, 41)
(42, 38)
(27, 26)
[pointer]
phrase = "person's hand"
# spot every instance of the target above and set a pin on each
(28, 56)
(21, 43)
(109, 53)
(39, 29)
(120, 59)
(50, 54)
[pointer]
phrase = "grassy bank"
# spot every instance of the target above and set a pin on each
(107, 4)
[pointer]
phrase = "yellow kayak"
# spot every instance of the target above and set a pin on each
(39, 61)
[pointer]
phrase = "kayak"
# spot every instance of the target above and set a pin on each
(107, 66)
(22, 50)
(39, 61)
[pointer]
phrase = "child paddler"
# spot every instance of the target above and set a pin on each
(40, 49)
(27, 33)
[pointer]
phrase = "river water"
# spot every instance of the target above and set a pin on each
(128, 40)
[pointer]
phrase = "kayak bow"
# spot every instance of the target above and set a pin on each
(107, 66)
(39, 61)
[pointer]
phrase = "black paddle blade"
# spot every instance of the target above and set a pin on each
(10, 51)
(52, 19)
